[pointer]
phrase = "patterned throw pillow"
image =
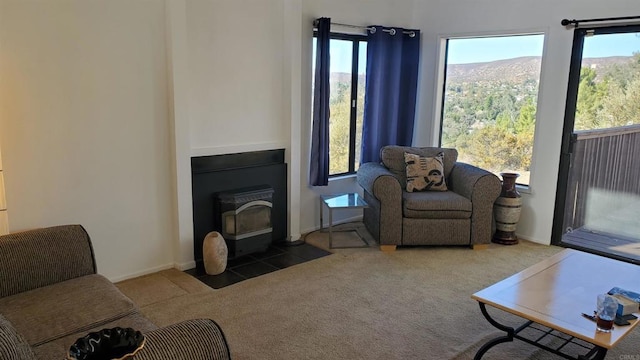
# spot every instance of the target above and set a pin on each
(425, 173)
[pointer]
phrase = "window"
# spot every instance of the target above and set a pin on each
(346, 102)
(490, 96)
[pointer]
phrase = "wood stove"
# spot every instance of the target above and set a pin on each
(245, 219)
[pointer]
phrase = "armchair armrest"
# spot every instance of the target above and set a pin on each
(482, 188)
(370, 173)
(386, 215)
(41, 257)
(198, 339)
(468, 181)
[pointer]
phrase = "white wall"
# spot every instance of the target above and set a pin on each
(235, 50)
(84, 125)
(441, 18)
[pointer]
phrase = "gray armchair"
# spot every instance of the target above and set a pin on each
(463, 215)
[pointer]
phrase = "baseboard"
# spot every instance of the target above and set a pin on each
(142, 273)
(533, 240)
(185, 265)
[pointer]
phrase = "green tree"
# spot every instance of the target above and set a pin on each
(622, 105)
(504, 121)
(610, 99)
(340, 124)
(590, 96)
(498, 149)
(621, 73)
(339, 112)
(526, 120)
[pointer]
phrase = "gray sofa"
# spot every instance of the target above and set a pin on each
(51, 295)
(461, 216)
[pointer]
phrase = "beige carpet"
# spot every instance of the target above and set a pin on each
(357, 304)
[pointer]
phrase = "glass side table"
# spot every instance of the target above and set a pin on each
(341, 202)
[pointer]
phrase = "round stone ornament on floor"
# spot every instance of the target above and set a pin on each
(214, 253)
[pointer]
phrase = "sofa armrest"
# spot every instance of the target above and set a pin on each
(41, 257)
(482, 188)
(385, 187)
(12, 344)
(197, 339)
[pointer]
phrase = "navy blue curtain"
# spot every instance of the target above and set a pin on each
(393, 56)
(319, 173)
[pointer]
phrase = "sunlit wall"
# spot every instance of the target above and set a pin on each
(4, 218)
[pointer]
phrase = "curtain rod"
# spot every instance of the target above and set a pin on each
(371, 29)
(576, 23)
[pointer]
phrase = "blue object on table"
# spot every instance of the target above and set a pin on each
(626, 293)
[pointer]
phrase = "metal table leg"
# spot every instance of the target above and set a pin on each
(594, 353)
(491, 343)
(330, 228)
(321, 208)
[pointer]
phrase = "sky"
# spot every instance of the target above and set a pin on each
(611, 45)
(471, 50)
(474, 50)
(340, 57)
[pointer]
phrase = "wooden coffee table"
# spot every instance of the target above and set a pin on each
(553, 294)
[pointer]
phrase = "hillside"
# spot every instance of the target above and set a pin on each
(517, 70)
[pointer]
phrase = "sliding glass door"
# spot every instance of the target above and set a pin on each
(598, 199)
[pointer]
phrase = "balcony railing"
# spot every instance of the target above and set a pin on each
(603, 159)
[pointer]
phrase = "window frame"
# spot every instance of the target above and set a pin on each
(441, 89)
(355, 39)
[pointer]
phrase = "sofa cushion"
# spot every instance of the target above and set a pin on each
(12, 344)
(54, 311)
(436, 205)
(392, 157)
(425, 173)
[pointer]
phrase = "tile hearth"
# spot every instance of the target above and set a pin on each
(278, 256)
